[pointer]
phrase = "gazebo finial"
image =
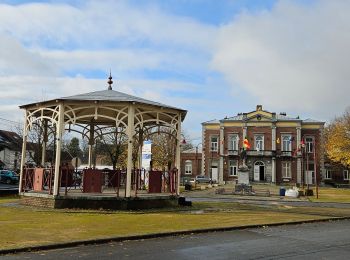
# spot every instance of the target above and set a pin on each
(110, 81)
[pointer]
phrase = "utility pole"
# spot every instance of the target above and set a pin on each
(197, 169)
(315, 167)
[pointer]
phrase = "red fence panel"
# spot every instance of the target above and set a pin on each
(155, 182)
(92, 180)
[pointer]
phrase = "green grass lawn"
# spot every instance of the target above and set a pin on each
(331, 195)
(25, 226)
(326, 194)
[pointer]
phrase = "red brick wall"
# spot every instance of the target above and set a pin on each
(286, 130)
(266, 131)
(209, 155)
(279, 178)
(232, 130)
(196, 165)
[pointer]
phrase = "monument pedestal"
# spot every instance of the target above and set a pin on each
(242, 186)
(243, 175)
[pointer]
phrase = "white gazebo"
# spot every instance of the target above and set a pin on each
(86, 113)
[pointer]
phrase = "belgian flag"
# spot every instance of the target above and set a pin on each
(246, 144)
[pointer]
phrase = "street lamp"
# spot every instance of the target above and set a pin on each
(197, 158)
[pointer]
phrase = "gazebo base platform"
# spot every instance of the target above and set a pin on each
(99, 201)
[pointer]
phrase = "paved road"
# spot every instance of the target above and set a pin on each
(8, 189)
(8, 186)
(325, 240)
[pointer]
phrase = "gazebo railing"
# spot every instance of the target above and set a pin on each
(99, 181)
(37, 179)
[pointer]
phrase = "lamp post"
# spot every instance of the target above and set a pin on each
(197, 169)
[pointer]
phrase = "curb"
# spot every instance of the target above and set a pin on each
(157, 235)
(278, 199)
(8, 192)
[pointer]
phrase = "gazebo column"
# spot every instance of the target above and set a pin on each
(177, 154)
(60, 128)
(140, 148)
(130, 133)
(91, 143)
(24, 151)
(45, 139)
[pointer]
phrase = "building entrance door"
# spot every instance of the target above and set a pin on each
(309, 177)
(214, 174)
(259, 171)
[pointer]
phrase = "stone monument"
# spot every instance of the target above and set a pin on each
(243, 170)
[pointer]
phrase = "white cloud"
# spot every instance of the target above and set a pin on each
(293, 58)
(127, 59)
(99, 23)
(15, 59)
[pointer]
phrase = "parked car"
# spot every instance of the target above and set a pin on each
(184, 180)
(9, 177)
(203, 179)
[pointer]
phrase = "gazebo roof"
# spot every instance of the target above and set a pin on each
(114, 96)
(106, 96)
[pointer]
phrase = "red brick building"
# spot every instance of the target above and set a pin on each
(283, 149)
(191, 162)
(336, 174)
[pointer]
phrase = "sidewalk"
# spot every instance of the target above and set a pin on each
(209, 194)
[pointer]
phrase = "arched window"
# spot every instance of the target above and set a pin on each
(259, 142)
(286, 143)
(259, 163)
(233, 142)
(188, 167)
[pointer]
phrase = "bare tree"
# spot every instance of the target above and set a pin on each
(35, 139)
(164, 147)
(112, 143)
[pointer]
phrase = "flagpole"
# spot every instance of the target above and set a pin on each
(315, 168)
(307, 168)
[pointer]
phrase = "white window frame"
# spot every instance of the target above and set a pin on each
(309, 144)
(286, 170)
(259, 144)
(346, 175)
(233, 167)
(214, 146)
(188, 167)
(233, 141)
(328, 175)
(286, 143)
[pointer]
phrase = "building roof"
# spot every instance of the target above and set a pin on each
(266, 115)
(214, 121)
(309, 120)
(11, 140)
(193, 150)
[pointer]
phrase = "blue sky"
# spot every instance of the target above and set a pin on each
(213, 58)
